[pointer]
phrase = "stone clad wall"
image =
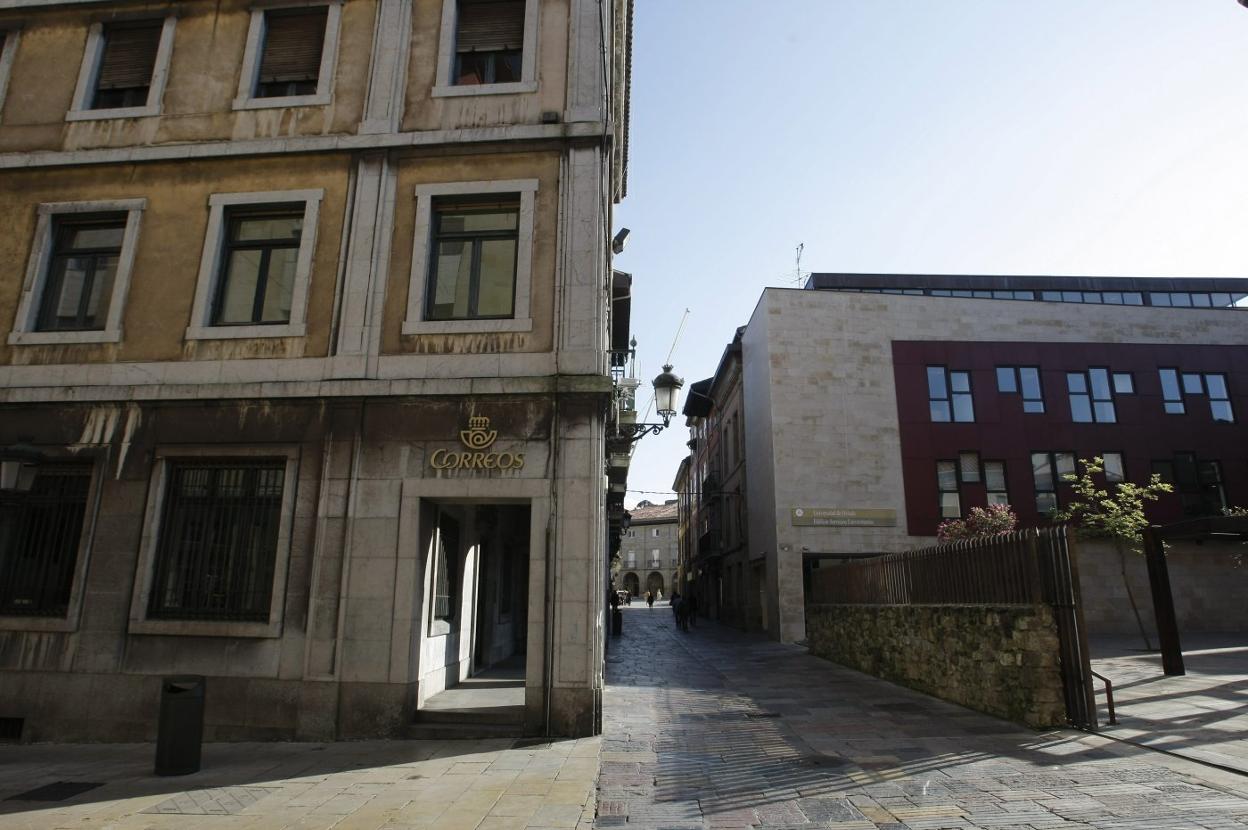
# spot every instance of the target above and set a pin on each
(1002, 660)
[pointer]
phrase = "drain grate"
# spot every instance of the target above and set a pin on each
(56, 791)
(217, 801)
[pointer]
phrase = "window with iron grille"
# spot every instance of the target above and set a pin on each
(218, 536)
(290, 60)
(473, 267)
(489, 41)
(127, 61)
(86, 251)
(40, 533)
(446, 555)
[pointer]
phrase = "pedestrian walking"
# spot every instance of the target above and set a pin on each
(677, 609)
(649, 600)
(691, 612)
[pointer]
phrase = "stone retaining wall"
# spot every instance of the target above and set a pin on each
(1002, 660)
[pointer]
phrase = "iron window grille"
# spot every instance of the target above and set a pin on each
(489, 41)
(40, 534)
(290, 62)
(127, 61)
(85, 253)
(1198, 483)
(949, 395)
(1025, 381)
(258, 265)
(218, 536)
(1092, 394)
(446, 554)
(473, 267)
(1048, 470)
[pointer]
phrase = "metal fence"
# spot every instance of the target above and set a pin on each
(1027, 567)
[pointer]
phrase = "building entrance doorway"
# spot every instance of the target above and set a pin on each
(654, 584)
(473, 655)
(632, 584)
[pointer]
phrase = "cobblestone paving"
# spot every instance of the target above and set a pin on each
(718, 730)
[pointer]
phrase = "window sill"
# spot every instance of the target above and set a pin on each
(40, 624)
(61, 338)
(287, 101)
(484, 89)
(107, 114)
(244, 332)
(466, 326)
(206, 628)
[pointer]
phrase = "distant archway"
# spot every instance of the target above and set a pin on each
(632, 584)
(654, 583)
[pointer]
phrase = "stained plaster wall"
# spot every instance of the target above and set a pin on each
(821, 410)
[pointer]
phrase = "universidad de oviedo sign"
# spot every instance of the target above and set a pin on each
(842, 517)
(478, 439)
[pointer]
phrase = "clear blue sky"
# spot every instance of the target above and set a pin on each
(1088, 137)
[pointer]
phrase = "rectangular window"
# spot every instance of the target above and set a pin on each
(258, 266)
(949, 395)
(947, 485)
(994, 482)
(473, 267)
(1049, 469)
(1091, 397)
(86, 252)
(1114, 470)
(1197, 482)
(489, 41)
(1171, 392)
(1219, 398)
(968, 467)
(290, 60)
(218, 536)
(40, 533)
(127, 63)
(446, 556)
(1024, 380)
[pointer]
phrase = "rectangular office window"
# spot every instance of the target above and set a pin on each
(1124, 383)
(968, 466)
(473, 267)
(217, 550)
(40, 533)
(1198, 483)
(1049, 469)
(86, 251)
(489, 41)
(127, 62)
(949, 395)
(1171, 392)
(947, 484)
(1219, 398)
(1091, 397)
(1114, 470)
(1024, 380)
(994, 482)
(258, 266)
(290, 60)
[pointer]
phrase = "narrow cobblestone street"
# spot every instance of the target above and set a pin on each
(715, 729)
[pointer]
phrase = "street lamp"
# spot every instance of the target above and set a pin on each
(666, 393)
(18, 465)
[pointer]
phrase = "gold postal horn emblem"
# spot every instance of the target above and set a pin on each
(478, 436)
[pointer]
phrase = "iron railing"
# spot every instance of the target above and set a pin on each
(40, 532)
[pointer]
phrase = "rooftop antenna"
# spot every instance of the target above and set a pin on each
(797, 268)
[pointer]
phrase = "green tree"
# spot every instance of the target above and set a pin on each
(1116, 516)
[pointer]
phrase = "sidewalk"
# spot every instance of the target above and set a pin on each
(716, 729)
(395, 785)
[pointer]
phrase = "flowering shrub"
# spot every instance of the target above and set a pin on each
(993, 521)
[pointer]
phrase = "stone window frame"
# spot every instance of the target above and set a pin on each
(418, 279)
(73, 614)
(324, 95)
(88, 71)
(148, 542)
(201, 327)
(443, 86)
(26, 321)
(12, 37)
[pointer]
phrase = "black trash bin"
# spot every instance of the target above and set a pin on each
(617, 622)
(180, 733)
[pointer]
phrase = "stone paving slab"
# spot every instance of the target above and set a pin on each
(371, 785)
(712, 729)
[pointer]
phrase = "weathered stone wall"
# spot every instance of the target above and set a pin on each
(1002, 660)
